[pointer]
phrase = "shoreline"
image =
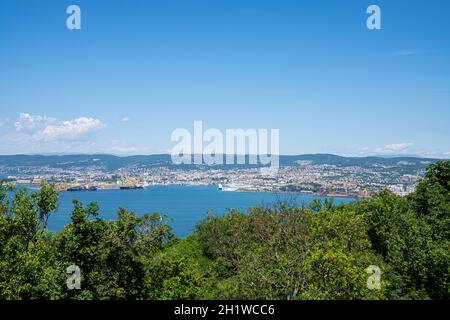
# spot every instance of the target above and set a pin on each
(330, 195)
(314, 194)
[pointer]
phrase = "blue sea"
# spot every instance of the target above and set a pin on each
(186, 205)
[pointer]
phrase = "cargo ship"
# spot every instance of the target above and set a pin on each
(131, 187)
(82, 188)
(76, 189)
(234, 187)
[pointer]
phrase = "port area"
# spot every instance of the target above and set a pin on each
(233, 187)
(364, 194)
(62, 187)
(76, 186)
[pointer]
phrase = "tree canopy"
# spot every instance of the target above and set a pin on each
(281, 251)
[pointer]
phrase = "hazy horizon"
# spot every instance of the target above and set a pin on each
(168, 154)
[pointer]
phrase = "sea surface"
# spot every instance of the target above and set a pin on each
(186, 205)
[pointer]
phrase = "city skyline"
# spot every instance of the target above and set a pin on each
(132, 75)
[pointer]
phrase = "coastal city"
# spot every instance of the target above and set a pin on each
(302, 178)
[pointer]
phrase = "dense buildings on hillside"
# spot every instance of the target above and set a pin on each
(303, 177)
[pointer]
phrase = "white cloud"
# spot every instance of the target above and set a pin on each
(31, 124)
(40, 134)
(389, 149)
(127, 150)
(72, 129)
(125, 119)
(436, 154)
(397, 147)
(43, 128)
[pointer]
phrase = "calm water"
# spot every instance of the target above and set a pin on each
(185, 205)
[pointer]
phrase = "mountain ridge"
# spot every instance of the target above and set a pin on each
(114, 162)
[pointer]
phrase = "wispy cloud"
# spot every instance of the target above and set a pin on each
(396, 147)
(126, 150)
(410, 52)
(388, 149)
(3, 122)
(405, 148)
(435, 154)
(125, 119)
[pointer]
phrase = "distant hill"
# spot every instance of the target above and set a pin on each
(111, 163)
(320, 159)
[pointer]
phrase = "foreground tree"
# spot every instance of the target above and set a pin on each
(111, 255)
(28, 268)
(291, 253)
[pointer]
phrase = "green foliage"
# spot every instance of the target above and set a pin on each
(27, 265)
(431, 202)
(412, 235)
(319, 251)
(290, 253)
(111, 255)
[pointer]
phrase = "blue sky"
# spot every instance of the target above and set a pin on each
(137, 70)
